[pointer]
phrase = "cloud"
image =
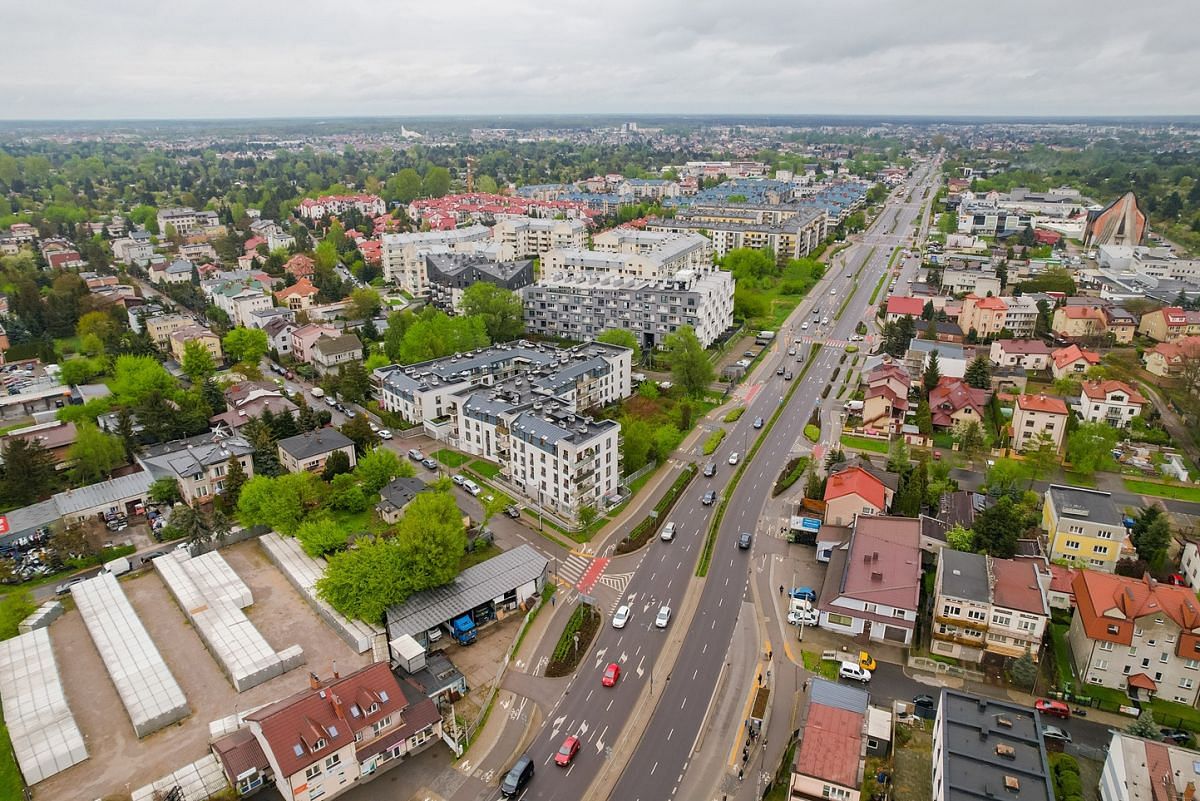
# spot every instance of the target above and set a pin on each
(76, 59)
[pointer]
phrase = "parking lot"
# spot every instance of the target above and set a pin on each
(118, 762)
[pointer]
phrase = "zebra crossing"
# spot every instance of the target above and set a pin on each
(571, 570)
(616, 582)
(831, 343)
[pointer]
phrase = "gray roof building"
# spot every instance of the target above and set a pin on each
(77, 503)
(399, 492)
(964, 575)
(314, 443)
(187, 457)
(1084, 504)
(839, 696)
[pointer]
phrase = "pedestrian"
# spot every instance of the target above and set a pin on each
(552, 599)
(741, 773)
(781, 589)
(768, 659)
(759, 679)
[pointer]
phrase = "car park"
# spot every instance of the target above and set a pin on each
(710, 470)
(517, 777)
(429, 464)
(758, 422)
(566, 753)
(854, 671)
(612, 674)
(744, 540)
(1056, 709)
(1055, 733)
(668, 532)
(663, 617)
(733, 458)
(416, 455)
(709, 498)
(620, 617)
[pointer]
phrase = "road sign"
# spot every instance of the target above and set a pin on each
(810, 524)
(3, 524)
(590, 600)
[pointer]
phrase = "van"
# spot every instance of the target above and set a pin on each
(515, 780)
(471, 487)
(317, 392)
(853, 670)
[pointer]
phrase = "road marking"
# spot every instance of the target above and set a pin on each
(653, 768)
(609, 705)
(672, 731)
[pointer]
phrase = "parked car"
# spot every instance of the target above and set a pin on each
(620, 617)
(471, 487)
(803, 593)
(374, 427)
(709, 498)
(744, 540)
(809, 617)
(458, 479)
(385, 434)
(1056, 709)
(668, 532)
(513, 511)
(663, 617)
(612, 675)
(429, 464)
(567, 752)
(1176, 580)
(517, 777)
(65, 587)
(416, 455)
(855, 671)
(924, 701)
(866, 661)
(1177, 736)
(1055, 733)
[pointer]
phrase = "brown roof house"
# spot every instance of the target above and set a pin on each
(954, 400)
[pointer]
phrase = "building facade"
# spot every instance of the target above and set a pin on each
(1035, 415)
(1083, 526)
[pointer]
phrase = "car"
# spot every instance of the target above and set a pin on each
(733, 458)
(429, 464)
(1176, 580)
(513, 511)
(856, 338)
(855, 671)
(758, 422)
(567, 752)
(668, 532)
(1057, 709)
(749, 354)
(791, 351)
(459, 479)
(471, 487)
(802, 617)
(924, 701)
(787, 376)
(350, 413)
(385, 434)
(817, 311)
(331, 403)
(803, 593)
(833, 291)
(866, 661)
(1055, 733)
(1177, 736)
(517, 777)
(709, 498)
(804, 325)
(150, 557)
(744, 540)
(339, 407)
(824, 321)
(612, 674)
(373, 426)
(663, 617)
(710, 470)
(779, 371)
(416, 455)
(65, 587)
(620, 617)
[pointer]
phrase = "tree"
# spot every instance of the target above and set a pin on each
(235, 479)
(198, 363)
(403, 187)
(624, 338)
(359, 430)
(1004, 477)
(587, 518)
(280, 502)
(1144, 726)
(998, 528)
(961, 539)
(1151, 536)
(814, 484)
(191, 522)
(931, 331)
(979, 373)
(353, 382)
(219, 524)
(933, 373)
(690, 366)
(970, 436)
(1089, 447)
(136, 377)
(1024, 671)
(924, 418)
(500, 309)
(436, 182)
(379, 466)
(433, 334)
(898, 457)
(28, 472)
(364, 304)
(94, 453)
(126, 433)
(345, 495)
(1041, 457)
(165, 490)
(246, 344)
(320, 536)
(337, 464)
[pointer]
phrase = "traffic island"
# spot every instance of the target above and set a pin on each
(645, 530)
(575, 641)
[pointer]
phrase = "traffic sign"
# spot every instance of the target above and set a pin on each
(3, 524)
(590, 600)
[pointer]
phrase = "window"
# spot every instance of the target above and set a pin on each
(332, 761)
(1137, 631)
(1100, 549)
(380, 725)
(828, 791)
(840, 620)
(1187, 683)
(1164, 657)
(976, 615)
(312, 771)
(1072, 545)
(1191, 664)
(1101, 664)
(319, 744)
(1106, 646)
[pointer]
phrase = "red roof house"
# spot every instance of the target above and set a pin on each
(852, 492)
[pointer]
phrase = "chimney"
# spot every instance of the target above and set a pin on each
(313, 681)
(1189, 792)
(339, 709)
(336, 675)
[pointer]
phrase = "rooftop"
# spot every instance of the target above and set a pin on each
(991, 749)
(1042, 403)
(315, 443)
(1077, 503)
(964, 575)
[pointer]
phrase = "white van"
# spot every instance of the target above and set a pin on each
(471, 487)
(853, 670)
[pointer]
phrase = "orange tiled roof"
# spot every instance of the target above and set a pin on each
(856, 481)
(1101, 389)
(1109, 606)
(1042, 403)
(1073, 353)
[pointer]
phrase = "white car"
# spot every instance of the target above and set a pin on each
(833, 292)
(458, 479)
(374, 427)
(471, 487)
(733, 458)
(621, 617)
(809, 618)
(663, 617)
(853, 670)
(668, 532)
(385, 434)
(804, 325)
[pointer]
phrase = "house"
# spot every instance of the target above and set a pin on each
(199, 464)
(988, 748)
(177, 272)
(1120, 324)
(1135, 768)
(298, 296)
(248, 400)
(1136, 635)
(886, 398)
(240, 301)
(1083, 526)
(1038, 414)
(948, 331)
(952, 359)
(983, 605)
(310, 450)
(56, 437)
(260, 318)
(1072, 361)
(1169, 324)
(1020, 316)
(831, 758)
(304, 337)
(853, 492)
(300, 266)
(1110, 401)
(899, 307)
(1189, 564)
(954, 400)
(1169, 359)
(330, 353)
(160, 328)
(1030, 354)
(321, 741)
(195, 333)
(872, 586)
(985, 316)
(396, 495)
(1079, 323)
(279, 335)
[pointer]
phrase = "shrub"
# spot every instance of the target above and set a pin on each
(735, 414)
(714, 441)
(647, 528)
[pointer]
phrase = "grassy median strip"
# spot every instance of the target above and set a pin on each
(895, 253)
(878, 287)
(714, 441)
(710, 541)
(583, 623)
(735, 414)
(646, 529)
(1153, 488)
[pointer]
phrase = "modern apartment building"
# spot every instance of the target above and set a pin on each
(791, 238)
(451, 274)
(404, 254)
(1083, 526)
(531, 237)
(186, 220)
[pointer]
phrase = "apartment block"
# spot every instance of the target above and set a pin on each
(1039, 414)
(160, 328)
(186, 220)
(451, 274)
(1083, 526)
(404, 254)
(630, 253)
(531, 237)
(316, 208)
(791, 238)
(195, 333)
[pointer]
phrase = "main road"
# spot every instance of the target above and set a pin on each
(663, 571)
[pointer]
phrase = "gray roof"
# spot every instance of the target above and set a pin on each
(28, 519)
(332, 346)
(1093, 506)
(964, 575)
(399, 491)
(839, 696)
(185, 457)
(315, 443)
(973, 728)
(473, 587)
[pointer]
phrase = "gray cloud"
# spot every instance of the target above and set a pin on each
(75, 59)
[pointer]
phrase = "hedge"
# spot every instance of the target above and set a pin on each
(648, 527)
(735, 414)
(584, 621)
(790, 474)
(714, 441)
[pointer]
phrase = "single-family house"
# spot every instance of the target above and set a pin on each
(853, 492)
(1169, 324)
(831, 758)
(954, 400)
(298, 296)
(304, 337)
(396, 495)
(1072, 361)
(1110, 401)
(1169, 359)
(985, 316)
(310, 450)
(1029, 354)
(1079, 323)
(1038, 414)
(329, 353)
(899, 307)
(199, 464)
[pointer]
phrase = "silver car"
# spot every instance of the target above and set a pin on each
(663, 618)
(621, 617)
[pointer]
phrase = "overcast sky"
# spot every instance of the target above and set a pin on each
(71, 59)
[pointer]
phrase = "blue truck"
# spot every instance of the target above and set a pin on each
(463, 630)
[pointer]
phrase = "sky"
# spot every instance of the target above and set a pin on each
(71, 59)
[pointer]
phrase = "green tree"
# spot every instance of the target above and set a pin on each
(364, 304)
(587, 518)
(1041, 457)
(1151, 536)
(500, 309)
(1024, 671)
(433, 334)
(28, 472)
(403, 187)
(320, 536)
(639, 436)
(359, 430)
(165, 490)
(1144, 726)
(624, 338)
(136, 377)
(961, 539)
(1089, 447)
(1004, 477)
(198, 363)
(379, 466)
(924, 418)
(345, 495)
(979, 373)
(814, 484)
(998, 528)
(337, 464)
(353, 382)
(125, 431)
(970, 436)
(247, 345)
(690, 366)
(280, 502)
(191, 522)
(235, 479)
(95, 454)
(436, 182)
(932, 374)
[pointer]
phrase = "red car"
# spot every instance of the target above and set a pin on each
(611, 674)
(570, 748)
(1056, 708)
(1176, 580)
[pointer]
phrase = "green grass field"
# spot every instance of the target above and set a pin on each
(485, 469)
(864, 443)
(1177, 493)
(11, 785)
(450, 458)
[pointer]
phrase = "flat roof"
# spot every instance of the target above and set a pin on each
(965, 575)
(1078, 503)
(988, 745)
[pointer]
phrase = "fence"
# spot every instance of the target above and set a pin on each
(941, 668)
(649, 467)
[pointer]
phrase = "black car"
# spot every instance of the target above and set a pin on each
(787, 376)
(924, 701)
(1177, 736)
(513, 511)
(710, 470)
(709, 498)
(779, 371)
(517, 777)
(744, 540)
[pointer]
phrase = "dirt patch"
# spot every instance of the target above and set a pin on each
(913, 772)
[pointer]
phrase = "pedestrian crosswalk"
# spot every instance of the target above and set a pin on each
(617, 582)
(571, 570)
(830, 343)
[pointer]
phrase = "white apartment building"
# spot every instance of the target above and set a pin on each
(186, 220)
(241, 302)
(531, 237)
(133, 249)
(1021, 316)
(798, 231)
(315, 209)
(635, 254)
(404, 254)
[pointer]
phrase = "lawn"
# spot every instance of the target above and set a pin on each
(813, 663)
(472, 558)
(1169, 713)
(11, 785)
(812, 432)
(1079, 479)
(913, 772)
(1062, 654)
(1172, 491)
(450, 458)
(485, 469)
(864, 443)
(714, 441)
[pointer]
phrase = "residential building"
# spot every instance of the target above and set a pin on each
(404, 254)
(1120, 324)
(1110, 401)
(1072, 361)
(853, 492)
(316, 208)
(793, 238)
(396, 495)
(831, 758)
(988, 748)
(160, 328)
(248, 400)
(300, 266)
(279, 335)
(260, 318)
(981, 282)
(55, 437)
(305, 336)
(299, 296)
(1135, 768)
(990, 219)
(1189, 564)
(985, 316)
(133, 249)
(900, 306)
(1029, 354)
(1020, 316)
(310, 450)
(1083, 526)
(178, 271)
(322, 741)
(530, 237)
(451, 274)
(952, 359)
(330, 353)
(1119, 223)
(186, 220)
(885, 401)
(1169, 324)
(199, 464)
(983, 605)
(581, 306)
(1039, 414)
(872, 586)
(1136, 635)
(953, 401)
(648, 188)
(240, 301)
(1169, 359)
(195, 333)
(629, 253)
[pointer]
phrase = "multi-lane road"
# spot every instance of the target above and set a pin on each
(663, 571)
